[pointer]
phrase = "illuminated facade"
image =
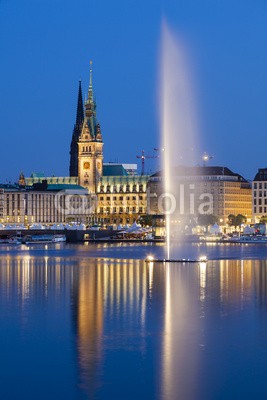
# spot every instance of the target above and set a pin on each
(43, 203)
(227, 193)
(259, 186)
(90, 146)
(121, 199)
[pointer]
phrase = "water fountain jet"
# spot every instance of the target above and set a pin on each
(178, 123)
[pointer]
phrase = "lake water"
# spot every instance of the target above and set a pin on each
(97, 322)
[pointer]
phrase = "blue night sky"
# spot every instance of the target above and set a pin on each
(46, 47)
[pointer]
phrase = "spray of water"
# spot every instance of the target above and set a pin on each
(178, 122)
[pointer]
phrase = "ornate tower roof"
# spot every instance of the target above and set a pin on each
(90, 144)
(79, 113)
(91, 126)
(90, 89)
(76, 134)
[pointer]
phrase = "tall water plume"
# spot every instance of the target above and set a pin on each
(178, 122)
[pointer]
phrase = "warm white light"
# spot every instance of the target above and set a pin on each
(150, 258)
(203, 259)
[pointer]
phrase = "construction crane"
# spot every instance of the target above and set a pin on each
(143, 156)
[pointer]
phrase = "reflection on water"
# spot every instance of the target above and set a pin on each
(88, 310)
(127, 329)
(196, 299)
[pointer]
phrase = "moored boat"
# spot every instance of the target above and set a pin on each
(43, 239)
(59, 238)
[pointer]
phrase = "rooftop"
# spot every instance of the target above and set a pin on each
(204, 171)
(114, 170)
(261, 175)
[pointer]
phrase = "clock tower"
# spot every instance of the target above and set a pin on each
(90, 145)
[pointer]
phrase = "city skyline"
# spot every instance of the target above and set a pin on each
(47, 54)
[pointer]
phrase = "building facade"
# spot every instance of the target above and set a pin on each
(44, 203)
(259, 192)
(203, 190)
(122, 199)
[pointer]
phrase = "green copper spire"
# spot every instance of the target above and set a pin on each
(90, 90)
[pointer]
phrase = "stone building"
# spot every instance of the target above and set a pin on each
(90, 145)
(203, 190)
(122, 197)
(43, 203)
(259, 194)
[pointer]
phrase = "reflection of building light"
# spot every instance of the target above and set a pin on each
(25, 276)
(168, 336)
(150, 276)
(242, 282)
(202, 279)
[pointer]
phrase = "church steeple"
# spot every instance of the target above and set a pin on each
(90, 144)
(76, 134)
(79, 113)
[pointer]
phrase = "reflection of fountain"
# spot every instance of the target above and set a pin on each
(180, 358)
(177, 124)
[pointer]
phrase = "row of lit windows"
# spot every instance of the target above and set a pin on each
(260, 185)
(122, 188)
(121, 198)
(120, 210)
(260, 202)
(87, 149)
(241, 199)
(260, 193)
(260, 210)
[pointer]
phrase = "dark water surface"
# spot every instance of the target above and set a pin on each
(97, 322)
